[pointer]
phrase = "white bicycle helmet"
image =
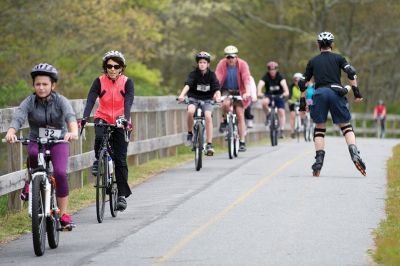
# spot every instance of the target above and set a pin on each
(326, 36)
(297, 76)
(113, 54)
(45, 70)
(231, 50)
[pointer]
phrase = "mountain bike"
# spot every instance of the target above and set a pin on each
(106, 183)
(297, 121)
(198, 130)
(272, 121)
(232, 132)
(42, 204)
(380, 127)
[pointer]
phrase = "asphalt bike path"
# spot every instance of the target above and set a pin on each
(262, 208)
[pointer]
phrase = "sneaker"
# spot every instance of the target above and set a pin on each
(242, 146)
(189, 139)
(95, 167)
(25, 192)
(222, 127)
(267, 122)
(66, 222)
(250, 123)
(209, 150)
(121, 203)
(280, 134)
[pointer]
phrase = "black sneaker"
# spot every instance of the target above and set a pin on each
(222, 127)
(121, 203)
(189, 139)
(95, 167)
(242, 146)
(209, 150)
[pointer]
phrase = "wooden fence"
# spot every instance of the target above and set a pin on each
(159, 127)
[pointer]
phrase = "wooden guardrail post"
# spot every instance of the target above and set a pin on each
(14, 164)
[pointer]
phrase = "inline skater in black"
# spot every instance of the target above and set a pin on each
(330, 97)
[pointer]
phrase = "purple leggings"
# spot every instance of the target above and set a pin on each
(59, 158)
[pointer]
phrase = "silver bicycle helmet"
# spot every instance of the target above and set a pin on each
(231, 50)
(45, 70)
(325, 36)
(203, 55)
(113, 54)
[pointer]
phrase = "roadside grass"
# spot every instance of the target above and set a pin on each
(387, 235)
(14, 224)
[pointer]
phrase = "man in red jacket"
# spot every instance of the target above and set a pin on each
(233, 75)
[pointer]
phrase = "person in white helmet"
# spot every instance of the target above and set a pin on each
(329, 96)
(234, 77)
(294, 97)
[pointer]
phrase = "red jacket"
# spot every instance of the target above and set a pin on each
(243, 76)
(111, 100)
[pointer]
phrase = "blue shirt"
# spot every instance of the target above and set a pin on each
(231, 79)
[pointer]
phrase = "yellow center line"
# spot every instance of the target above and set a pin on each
(219, 216)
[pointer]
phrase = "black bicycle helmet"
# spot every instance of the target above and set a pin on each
(203, 55)
(45, 70)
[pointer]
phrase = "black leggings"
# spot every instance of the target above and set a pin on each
(119, 152)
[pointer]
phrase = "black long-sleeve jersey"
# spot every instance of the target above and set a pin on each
(325, 68)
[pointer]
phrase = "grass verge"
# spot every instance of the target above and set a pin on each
(387, 235)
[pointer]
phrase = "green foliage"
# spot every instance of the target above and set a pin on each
(11, 95)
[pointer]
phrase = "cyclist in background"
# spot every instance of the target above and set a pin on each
(276, 88)
(234, 78)
(201, 84)
(309, 94)
(380, 115)
(115, 92)
(294, 97)
(330, 97)
(45, 108)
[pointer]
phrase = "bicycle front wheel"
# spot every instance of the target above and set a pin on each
(53, 222)
(38, 215)
(235, 141)
(113, 198)
(198, 147)
(231, 140)
(101, 185)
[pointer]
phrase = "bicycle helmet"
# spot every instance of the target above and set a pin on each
(272, 65)
(231, 50)
(203, 55)
(297, 76)
(325, 39)
(45, 70)
(380, 102)
(114, 54)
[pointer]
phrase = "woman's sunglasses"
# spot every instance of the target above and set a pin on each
(109, 66)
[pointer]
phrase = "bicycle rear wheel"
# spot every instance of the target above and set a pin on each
(53, 222)
(101, 185)
(198, 147)
(231, 140)
(38, 215)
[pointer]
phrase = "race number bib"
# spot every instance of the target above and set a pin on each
(49, 133)
(274, 88)
(203, 87)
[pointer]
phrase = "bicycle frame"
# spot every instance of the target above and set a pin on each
(232, 133)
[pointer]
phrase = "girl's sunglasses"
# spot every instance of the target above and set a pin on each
(109, 66)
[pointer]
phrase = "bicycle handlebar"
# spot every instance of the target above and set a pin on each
(193, 100)
(234, 97)
(25, 141)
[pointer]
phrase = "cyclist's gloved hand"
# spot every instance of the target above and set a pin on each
(82, 122)
(302, 85)
(356, 92)
(303, 105)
